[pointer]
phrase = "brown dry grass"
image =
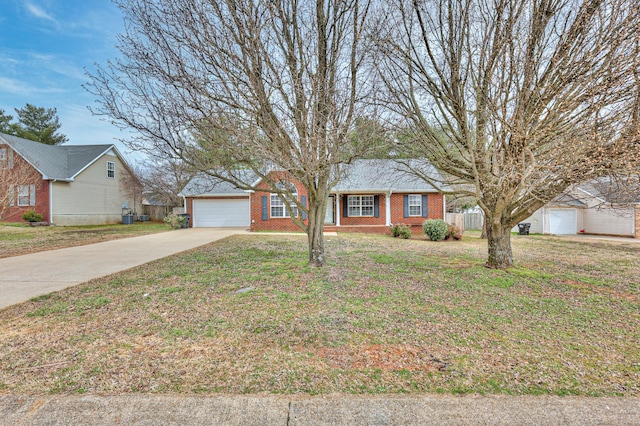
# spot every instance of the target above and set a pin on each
(19, 240)
(386, 316)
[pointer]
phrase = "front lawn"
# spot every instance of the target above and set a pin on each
(245, 315)
(16, 240)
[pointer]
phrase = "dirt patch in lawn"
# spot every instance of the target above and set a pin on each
(383, 357)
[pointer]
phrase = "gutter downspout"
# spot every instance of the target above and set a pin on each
(51, 201)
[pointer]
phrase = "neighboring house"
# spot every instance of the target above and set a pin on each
(157, 208)
(372, 195)
(67, 184)
(589, 209)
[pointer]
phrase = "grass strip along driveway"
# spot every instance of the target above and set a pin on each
(245, 315)
(19, 240)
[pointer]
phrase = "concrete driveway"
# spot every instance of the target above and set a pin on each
(25, 277)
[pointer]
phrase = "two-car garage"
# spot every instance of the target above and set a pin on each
(224, 212)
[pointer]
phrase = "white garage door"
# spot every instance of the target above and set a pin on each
(220, 213)
(562, 221)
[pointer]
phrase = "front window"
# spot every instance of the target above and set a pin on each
(278, 208)
(111, 169)
(415, 205)
(360, 205)
(3, 154)
(26, 195)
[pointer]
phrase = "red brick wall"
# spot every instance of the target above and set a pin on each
(637, 214)
(363, 220)
(14, 213)
(273, 224)
(434, 209)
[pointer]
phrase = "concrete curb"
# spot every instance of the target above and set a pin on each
(317, 410)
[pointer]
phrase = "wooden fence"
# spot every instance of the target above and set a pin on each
(456, 219)
(473, 221)
(466, 221)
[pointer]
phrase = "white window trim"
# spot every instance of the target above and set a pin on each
(351, 204)
(414, 204)
(277, 201)
(3, 154)
(23, 191)
(112, 169)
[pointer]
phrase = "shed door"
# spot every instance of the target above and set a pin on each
(562, 221)
(220, 213)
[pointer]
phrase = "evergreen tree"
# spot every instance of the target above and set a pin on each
(6, 126)
(39, 124)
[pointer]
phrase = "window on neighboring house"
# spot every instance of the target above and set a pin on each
(278, 208)
(3, 154)
(111, 169)
(360, 205)
(26, 195)
(415, 205)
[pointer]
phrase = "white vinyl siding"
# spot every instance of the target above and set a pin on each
(360, 205)
(91, 199)
(609, 220)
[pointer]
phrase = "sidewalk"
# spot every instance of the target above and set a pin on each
(317, 410)
(25, 277)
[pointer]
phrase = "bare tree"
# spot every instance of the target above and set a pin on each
(163, 179)
(242, 84)
(15, 173)
(516, 100)
(131, 186)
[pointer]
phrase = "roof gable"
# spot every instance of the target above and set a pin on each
(61, 162)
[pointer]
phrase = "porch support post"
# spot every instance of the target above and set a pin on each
(338, 209)
(387, 208)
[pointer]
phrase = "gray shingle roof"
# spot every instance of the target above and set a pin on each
(359, 176)
(61, 162)
(383, 175)
(205, 185)
(615, 190)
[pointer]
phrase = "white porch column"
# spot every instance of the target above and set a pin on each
(387, 208)
(338, 210)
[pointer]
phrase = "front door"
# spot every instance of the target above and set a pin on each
(329, 217)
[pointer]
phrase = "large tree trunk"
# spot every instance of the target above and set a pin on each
(499, 240)
(315, 230)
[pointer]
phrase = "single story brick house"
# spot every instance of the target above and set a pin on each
(66, 184)
(371, 195)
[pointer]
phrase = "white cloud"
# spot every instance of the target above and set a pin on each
(19, 87)
(38, 12)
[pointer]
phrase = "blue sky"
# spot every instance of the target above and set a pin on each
(45, 46)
